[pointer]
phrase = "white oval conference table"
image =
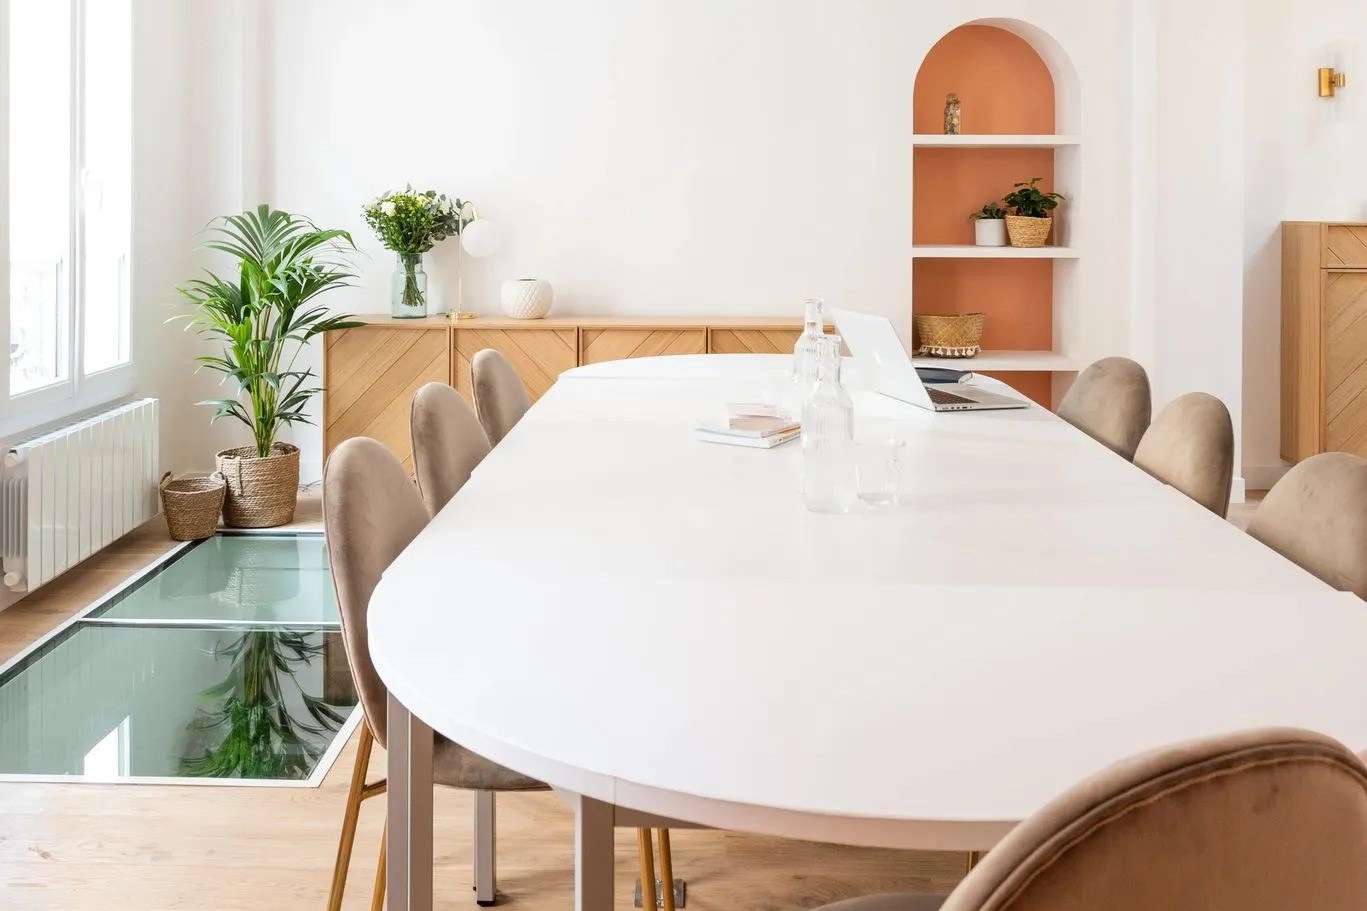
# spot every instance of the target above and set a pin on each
(657, 627)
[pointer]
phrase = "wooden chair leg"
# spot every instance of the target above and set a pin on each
(647, 857)
(666, 870)
(377, 899)
(349, 817)
(972, 861)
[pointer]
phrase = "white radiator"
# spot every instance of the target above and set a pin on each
(68, 492)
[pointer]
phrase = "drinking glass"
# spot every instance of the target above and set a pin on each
(878, 470)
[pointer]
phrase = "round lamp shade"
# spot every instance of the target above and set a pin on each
(480, 238)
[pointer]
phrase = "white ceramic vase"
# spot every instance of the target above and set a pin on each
(989, 232)
(526, 298)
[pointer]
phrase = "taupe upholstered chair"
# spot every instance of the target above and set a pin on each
(1110, 402)
(1190, 445)
(1256, 821)
(1316, 517)
(448, 442)
(500, 398)
(371, 512)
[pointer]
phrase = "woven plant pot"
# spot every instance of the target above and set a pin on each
(1027, 232)
(192, 506)
(261, 492)
(949, 336)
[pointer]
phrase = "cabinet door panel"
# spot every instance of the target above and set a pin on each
(1345, 361)
(597, 345)
(1345, 245)
(538, 354)
(752, 341)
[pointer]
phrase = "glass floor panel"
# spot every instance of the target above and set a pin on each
(255, 578)
(191, 672)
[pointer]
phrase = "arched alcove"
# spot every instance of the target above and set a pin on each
(1011, 108)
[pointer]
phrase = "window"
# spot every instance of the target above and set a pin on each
(67, 106)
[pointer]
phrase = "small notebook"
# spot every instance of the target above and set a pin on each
(730, 438)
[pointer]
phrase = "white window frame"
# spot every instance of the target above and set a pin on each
(80, 391)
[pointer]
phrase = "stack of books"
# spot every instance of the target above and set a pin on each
(757, 427)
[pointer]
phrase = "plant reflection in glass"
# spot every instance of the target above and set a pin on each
(257, 711)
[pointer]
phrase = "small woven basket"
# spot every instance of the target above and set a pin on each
(261, 492)
(949, 336)
(1027, 232)
(192, 506)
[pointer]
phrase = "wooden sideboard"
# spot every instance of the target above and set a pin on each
(1324, 338)
(371, 372)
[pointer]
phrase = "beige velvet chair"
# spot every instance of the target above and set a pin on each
(1265, 820)
(1316, 517)
(371, 511)
(500, 398)
(1190, 445)
(448, 443)
(1110, 402)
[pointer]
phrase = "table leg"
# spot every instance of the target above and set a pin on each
(409, 745)
(593, 849)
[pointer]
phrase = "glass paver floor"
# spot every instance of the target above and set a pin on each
(225, 663)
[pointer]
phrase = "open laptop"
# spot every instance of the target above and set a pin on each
(887, 369)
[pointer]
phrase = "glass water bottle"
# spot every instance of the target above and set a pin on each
(828, 482)
(805, 351)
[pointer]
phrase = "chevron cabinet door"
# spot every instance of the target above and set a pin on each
(539, 354)
(752, 341)
(1345, 245)
(614, 344)
(1345, 361)
(370, 374)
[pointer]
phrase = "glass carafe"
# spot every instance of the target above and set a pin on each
(805, 351)
(828, 479)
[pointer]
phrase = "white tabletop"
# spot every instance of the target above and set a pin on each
(921, 676)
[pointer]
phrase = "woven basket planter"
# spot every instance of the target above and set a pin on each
(192, 506)
(949, 336)
(261, 492)
(1027, 232)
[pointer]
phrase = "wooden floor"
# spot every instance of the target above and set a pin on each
(75, 847)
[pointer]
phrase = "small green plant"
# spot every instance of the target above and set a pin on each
(1027, 201)
(990, 210)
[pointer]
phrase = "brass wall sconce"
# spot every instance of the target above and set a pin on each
(1331, 81)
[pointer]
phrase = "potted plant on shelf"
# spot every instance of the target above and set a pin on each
(989, 227)
(411, 223)
(265, 318)
(1029, 220)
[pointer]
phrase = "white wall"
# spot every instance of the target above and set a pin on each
(1305, 160)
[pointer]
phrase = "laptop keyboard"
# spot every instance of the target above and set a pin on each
(940, 397)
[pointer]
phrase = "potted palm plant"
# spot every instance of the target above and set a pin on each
(1029, 220)
(264, 317)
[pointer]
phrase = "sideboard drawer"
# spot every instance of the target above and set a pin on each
(615, 344)
(1345, 246)
(538, 353)
(751, 341)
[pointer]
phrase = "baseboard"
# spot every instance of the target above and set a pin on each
(1238, 490)
(310, 471)
(1262, 477)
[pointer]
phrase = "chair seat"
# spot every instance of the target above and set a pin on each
(454, 766)
(889, 901)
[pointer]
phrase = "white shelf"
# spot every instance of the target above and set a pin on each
(969, 251)
(1040, 361)
(994, 141)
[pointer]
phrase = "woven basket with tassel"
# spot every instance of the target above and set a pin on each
(949, 336)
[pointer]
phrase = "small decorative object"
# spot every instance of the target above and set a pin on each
(989, 226)
(263, 320)
(953, 115)
(949, 336)
(479, 238)
(192, 506)
(411, 223)
(526, 298)
(1029, 222)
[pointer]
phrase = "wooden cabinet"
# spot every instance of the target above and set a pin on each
(1324, 338)
(371, 372)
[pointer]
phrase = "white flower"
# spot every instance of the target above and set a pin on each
(387, 207)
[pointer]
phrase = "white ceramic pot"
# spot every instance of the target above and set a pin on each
(989, 232)
(526, 298)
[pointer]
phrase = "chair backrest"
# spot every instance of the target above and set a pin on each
(448, 442)
(1256, 821)
(1110, 402)
(1316, 517)
(371, 511)
(1190, 445)
(500, 398)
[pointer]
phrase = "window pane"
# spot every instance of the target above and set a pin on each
(39, 192)
(108, 166)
